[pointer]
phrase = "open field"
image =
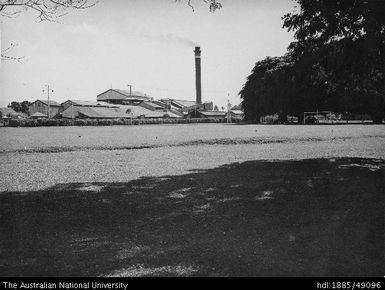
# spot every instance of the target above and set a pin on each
(37, 158)
(192, 200)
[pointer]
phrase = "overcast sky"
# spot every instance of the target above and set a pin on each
(146, 43)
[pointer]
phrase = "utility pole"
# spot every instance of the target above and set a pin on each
(49, 105)
(228, 110)
(72, 111)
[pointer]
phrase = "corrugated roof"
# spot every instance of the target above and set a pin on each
(213, 113)
(137, 111)
(184, 103)
(6, 111)
(123, 95)
(38, 114)
(133, 93)
(94, 112)
(105, 104)
(11, 113)
(119, 111)
(81, 103)
(103, 112)
(51, 102)
(159, 103)
(89, 112)
(153, 104)
(89, 103)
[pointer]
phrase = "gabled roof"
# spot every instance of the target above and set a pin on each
(125, 95)
(51, 102)
(133, 93)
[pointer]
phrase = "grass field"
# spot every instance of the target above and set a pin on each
(207, 200)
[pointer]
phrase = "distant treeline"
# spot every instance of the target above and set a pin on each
(336, 63)
(107, 122)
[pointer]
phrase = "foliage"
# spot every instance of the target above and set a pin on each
(47, 10)
(214, 5)
(269, 88)
(335, 63)
(22, 107)
(346, 40)
(107, 122)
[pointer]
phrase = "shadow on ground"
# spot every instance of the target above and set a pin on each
(319, 217)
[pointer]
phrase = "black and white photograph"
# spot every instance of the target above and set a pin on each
(192, 138)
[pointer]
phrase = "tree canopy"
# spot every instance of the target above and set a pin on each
(336, 62)
(22, 107)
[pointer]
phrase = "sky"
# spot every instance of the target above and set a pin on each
(144, 43)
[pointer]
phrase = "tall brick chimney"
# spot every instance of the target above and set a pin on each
(198, 86)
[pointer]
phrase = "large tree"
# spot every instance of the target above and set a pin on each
(268, 88)
(335, 63)
(346, 40)
(22, 107)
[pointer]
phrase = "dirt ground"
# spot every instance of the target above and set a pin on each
(312, 217)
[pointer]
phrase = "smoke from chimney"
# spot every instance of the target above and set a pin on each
(171, 39)
(198, 86)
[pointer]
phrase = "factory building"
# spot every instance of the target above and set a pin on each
(49, 108)
(118, 103)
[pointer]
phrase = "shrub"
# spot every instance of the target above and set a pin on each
(14, 123)
(52, 122)
(91, 122)
(80, 122)
(117, 122)
(127, 122)
(33, 123)
(105, 122)
(64, 122)
(101, 122)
